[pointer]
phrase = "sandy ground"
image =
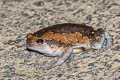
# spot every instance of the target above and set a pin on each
(20, 17)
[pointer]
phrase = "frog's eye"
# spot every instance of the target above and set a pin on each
(40, 41)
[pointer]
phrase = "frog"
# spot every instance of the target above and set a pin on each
(62, 40)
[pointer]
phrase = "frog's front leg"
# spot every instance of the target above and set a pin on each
(58, 52)
(61, 59)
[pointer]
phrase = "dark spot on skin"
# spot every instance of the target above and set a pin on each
(99, 32)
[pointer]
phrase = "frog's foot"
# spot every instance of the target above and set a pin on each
(107, 42)
(61, 60)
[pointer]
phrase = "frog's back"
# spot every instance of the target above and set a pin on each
(68, 28)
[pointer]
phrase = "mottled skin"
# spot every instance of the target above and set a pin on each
(96, 39)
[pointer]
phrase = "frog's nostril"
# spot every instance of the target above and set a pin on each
(40, 41)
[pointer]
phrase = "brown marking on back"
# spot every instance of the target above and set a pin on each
(66, 38)
(69, 28)
(31, 38)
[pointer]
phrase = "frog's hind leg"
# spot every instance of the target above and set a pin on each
(61, 59)
(107, 42)
(80, 47)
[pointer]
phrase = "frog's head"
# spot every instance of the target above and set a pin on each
(38, 44)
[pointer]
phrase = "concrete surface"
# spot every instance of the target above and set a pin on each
(20, 17)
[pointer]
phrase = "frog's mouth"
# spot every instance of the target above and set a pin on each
(41, 48)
